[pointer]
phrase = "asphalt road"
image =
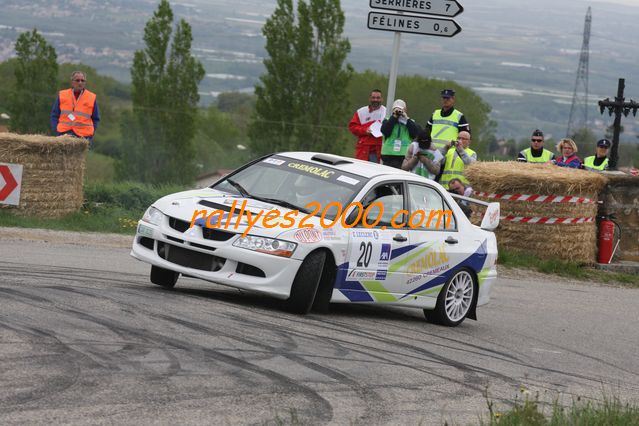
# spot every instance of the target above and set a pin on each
(85, 338)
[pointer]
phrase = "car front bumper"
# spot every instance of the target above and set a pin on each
(191, 254)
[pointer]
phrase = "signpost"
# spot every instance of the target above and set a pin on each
(10, 180)
(437, 7)
(400, 23)
(413, 24)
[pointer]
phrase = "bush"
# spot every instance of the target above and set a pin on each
(132, 196)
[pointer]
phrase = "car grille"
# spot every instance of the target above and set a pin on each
(178, 225)
(216, 234)
(189, 258)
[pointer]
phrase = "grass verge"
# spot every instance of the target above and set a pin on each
(565, 269)
(108, 207)
(531, 412)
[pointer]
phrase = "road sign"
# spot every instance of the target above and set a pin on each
(412, 24)
(10, 180)
(429, 7)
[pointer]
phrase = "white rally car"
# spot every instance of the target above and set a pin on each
(255, 230)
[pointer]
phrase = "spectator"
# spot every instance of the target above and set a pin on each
(369, 146)
(421, 159)
(398, 131)
(457, 159)
(536, 153)
(599, 161)
(75, 111)
(456, 186)
(446, 123)
(568, 154)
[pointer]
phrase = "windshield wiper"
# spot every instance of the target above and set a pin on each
(282, 203)
(243, 192)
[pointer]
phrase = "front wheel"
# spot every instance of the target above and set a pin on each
(305, 283)
(454, 301)
(163, 277)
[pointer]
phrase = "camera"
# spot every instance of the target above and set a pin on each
(398, 113)
(454, 143)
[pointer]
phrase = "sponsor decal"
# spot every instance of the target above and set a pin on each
(274, 161)
(314, 170)
(366, 234)
(356, 275)
(347, 180)
(308, 235)
(430, 261)
(330, 234)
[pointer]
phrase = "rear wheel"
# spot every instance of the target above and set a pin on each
(454, 301)
(305, 283)
(163, 277)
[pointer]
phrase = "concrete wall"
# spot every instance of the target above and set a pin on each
(621, 198)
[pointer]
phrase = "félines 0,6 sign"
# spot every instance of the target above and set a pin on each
(412, 24)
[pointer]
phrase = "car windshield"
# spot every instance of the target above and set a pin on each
(294, 184)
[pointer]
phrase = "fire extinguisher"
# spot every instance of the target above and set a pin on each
(606, 239)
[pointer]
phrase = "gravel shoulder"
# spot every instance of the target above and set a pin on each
(92, 239)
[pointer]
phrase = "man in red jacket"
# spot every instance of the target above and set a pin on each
(363, 125)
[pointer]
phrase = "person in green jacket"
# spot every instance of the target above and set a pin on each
(598, 162)
(536, 153)
(399, 131)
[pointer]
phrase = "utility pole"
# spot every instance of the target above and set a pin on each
(618, 107)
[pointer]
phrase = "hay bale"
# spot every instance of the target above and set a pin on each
(567, 241)
(53, 172)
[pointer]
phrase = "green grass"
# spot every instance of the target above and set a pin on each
(99, 168)
(565, 268)
(108, 207)
(530, 412)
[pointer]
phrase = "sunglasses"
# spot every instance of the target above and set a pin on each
(537, 140)
(79, 81)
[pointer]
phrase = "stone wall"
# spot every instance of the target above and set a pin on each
(621, 198)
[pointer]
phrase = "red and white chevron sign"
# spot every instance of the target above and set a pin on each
(537, 198)
(10, 183)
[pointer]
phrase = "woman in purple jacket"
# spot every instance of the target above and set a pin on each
(567, 157)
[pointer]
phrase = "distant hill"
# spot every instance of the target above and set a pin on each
(519, 56)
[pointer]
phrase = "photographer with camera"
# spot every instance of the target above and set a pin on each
(421, 159)
(458, 156)
(399, 131)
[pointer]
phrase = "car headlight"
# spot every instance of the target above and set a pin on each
(266, 245)
(153, 216)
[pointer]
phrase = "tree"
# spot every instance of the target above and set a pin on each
(302, 97)
(36, 74)
(158, 135)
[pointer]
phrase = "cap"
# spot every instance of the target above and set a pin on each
(538, 132)
(399, 104)
(604, 143)
(448, 93)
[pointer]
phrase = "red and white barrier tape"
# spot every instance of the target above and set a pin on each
(548, 220)
(537, 198)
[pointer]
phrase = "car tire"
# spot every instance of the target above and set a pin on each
(305, 284)
(163, 277)
(455, 300)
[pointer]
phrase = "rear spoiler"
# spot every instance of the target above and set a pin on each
(490, 221)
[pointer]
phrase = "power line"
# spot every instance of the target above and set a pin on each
(579, 100)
